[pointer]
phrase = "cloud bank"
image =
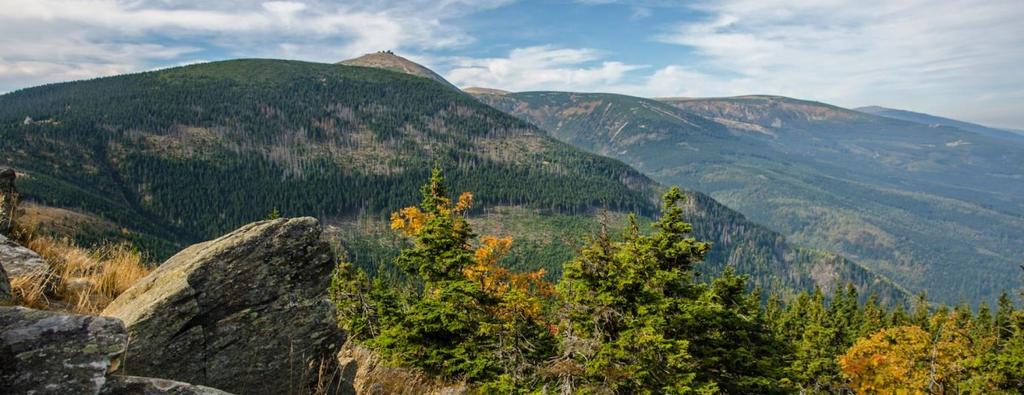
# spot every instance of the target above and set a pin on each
(958, 58)
(953, 57)
(55, 40)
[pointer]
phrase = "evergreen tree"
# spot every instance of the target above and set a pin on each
(626, 308)
(466, 318)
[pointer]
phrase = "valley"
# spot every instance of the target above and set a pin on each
(935, 209)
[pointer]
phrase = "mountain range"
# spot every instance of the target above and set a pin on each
(169, 157)
(936, 121)
(933, 207)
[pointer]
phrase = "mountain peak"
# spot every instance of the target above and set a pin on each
(389, 61)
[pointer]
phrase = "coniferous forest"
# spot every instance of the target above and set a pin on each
(181, 155)
(593, 197)
(630, 314)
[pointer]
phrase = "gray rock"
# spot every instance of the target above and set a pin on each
(244, 313)
(132, 385)
(363, 372)
(8, 200)
(5, 285)
(45, 352)
(20, 261)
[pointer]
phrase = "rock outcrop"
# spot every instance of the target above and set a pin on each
(8, 200)
(5, 285)
(20, 261)
(364, 373)
(244, 313)
(46, 352)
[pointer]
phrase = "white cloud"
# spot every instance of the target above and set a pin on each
(54, 40)
(549, 67)
(540, 68)
(936, 56)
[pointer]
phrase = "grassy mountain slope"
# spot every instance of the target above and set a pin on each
(184, 154)
(935, 209)
(932, 120)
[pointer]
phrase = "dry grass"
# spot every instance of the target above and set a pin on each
(81, 280)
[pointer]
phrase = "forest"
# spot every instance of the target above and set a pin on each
(631, 315)
(176, 156)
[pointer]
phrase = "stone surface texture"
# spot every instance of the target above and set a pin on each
(244, 313)
(45, 352)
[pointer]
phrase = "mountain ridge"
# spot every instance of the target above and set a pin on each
(886, 193)
(934, 120)
(183, 153)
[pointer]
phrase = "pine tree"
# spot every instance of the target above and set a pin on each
(624, 306)
(442, 332)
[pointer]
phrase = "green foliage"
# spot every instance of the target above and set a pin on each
(182, 155)
(452, 324)
(632, 304)
(619, 300)
(633, 316)
(189, 153)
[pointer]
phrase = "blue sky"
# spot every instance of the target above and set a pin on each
(955, 58)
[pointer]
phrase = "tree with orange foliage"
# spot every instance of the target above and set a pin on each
(472, 318)
(891, 360)
(908, 359)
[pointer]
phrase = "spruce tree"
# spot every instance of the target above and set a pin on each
(626, 306)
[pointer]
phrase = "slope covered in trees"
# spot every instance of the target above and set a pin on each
(933, 208)
(629, 316)
(179, 155)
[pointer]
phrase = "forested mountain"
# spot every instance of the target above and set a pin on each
(183, 154)
(934, 208)
(932, 120)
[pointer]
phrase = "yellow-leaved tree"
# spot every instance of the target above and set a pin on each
(910, 360)
(470, 318)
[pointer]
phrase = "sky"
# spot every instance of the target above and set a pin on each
(962, 59)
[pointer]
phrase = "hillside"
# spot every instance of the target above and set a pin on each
(933, 120)
(933, 208)
(179, 155)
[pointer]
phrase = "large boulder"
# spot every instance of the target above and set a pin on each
(45, 352)
(8, 200)
(48, 352)
(244, 313)
(20, 261)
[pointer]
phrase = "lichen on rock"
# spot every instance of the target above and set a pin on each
(244, 313)
(46, 352)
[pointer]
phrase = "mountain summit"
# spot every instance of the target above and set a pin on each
(389, 61)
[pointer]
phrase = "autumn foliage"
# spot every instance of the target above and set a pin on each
(471, 318)
(633, 314)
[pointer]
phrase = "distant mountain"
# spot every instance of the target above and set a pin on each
(389, 61)
(484, 91)
(933, 208)
(183, 154)
(933, 120)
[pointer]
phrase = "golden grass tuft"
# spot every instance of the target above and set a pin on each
(81, 280)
